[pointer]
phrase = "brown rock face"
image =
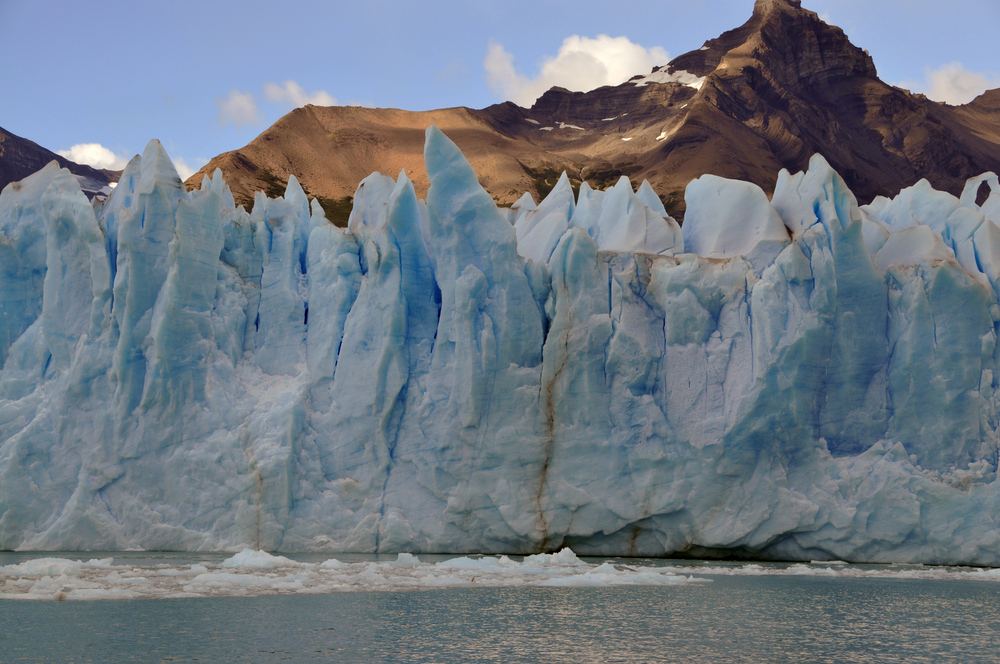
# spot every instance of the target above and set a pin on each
(776, 90)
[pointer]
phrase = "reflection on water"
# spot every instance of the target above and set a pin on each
(734, 619)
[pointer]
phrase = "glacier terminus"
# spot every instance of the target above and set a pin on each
(797, 378)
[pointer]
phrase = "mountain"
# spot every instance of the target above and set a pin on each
(20, 157)
(762, 97)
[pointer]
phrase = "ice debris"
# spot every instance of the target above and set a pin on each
(823, 381)
(251, 573)
(152, 578)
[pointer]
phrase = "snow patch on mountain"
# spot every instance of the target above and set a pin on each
(664, 75)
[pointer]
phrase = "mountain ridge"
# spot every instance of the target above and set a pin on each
(764, 96)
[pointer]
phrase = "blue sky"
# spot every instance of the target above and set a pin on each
(206, 77)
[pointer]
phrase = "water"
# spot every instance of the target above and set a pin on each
(769, 613)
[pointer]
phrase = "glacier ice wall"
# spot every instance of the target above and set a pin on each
(444, 376)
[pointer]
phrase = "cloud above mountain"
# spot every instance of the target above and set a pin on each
(96, 155)
(238, 108)
(186, 168)
(241, 109)
(293, 95)
(582, 64)
(954, 84)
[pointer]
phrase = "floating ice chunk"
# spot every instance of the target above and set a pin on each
(58, 579)
(228, 583)
(191, 571)
(44, 567)
(727, 218)
(250, 559)
(564, 558)
(484, 564)
(608, 575)
(406, 560)
(333, 563)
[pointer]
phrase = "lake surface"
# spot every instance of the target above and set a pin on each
(710, 612)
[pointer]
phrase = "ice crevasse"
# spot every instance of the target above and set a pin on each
(794, 378)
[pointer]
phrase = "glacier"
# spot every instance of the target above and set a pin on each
(800, 378)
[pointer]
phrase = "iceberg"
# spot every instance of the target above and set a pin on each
(800, 378)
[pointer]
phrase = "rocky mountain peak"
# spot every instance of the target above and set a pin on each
(764, 6)
(786, 43)
(794, 46)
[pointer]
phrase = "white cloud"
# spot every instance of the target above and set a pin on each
(238, 108)
(96, 155)
(582, 64)
(292, 94)
(187, 168)
(954, 84)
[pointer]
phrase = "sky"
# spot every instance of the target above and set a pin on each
(97, 80)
